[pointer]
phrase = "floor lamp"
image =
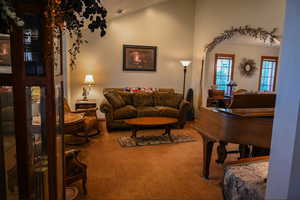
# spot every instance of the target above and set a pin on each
(185, 64)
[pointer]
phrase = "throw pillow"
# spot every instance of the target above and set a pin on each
(168, 99)
(143, 99)
(115, 99)
(127, 97)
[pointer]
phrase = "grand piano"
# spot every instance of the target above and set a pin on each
(244, 126)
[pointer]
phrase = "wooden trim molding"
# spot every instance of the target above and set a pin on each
(274, 58)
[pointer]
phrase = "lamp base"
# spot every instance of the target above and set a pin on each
(84, 94)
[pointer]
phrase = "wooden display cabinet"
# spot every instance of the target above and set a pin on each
(31, 109)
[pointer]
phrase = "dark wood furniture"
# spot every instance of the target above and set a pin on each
(36, 84)
(253, 100)
(249, 160)
(75, 170)
(90, 103)
(239, 126)
(142, 122)
(217, 98)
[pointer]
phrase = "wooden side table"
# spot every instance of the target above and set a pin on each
(90, 103)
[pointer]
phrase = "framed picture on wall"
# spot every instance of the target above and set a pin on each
(5, 56)
(139, 58)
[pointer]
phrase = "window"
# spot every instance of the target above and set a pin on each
(223, 71)
(268, 74)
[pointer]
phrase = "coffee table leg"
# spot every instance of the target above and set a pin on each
(168, 132)
(134, 130)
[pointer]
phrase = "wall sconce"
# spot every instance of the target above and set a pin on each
(89, 82)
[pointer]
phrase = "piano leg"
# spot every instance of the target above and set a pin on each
(222, 152)
(207, 151)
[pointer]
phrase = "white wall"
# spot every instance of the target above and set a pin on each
(215, 16)
(168, 25)
(284, 173)
(240, 51)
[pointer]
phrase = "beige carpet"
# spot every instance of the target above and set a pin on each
(162, 172)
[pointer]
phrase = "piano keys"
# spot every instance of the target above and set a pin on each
(244, 126)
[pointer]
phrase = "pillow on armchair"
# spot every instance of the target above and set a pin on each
(115, 99)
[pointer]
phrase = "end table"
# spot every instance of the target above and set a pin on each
(81, 104)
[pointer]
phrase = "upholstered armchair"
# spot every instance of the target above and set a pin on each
(90, 118)
(74, 169)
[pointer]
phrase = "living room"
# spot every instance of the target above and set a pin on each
(153, 101)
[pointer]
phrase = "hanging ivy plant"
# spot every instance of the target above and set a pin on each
(75, 15)
(7, 15)
(72, 15)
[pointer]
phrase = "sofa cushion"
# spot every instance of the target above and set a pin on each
(127, 97)
(125, 112)
(115, 99)
(143, 99)
(147, 111)
(165, 111)
(167, 99)
(169, 90)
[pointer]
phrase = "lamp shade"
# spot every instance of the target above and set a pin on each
(89, 80)
(185, 63)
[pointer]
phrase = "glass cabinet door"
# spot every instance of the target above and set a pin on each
(33, 45)
(36, 107)
(8, 161)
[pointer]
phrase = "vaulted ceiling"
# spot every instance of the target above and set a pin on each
(128, 6)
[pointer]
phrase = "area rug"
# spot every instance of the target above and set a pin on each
(127, 141)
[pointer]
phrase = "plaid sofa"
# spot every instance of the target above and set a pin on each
(120, 105)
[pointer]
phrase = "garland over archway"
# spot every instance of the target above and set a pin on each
(259, 33)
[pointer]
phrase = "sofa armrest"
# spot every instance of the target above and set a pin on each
(106, 107)
(184, 106)
(183, 109)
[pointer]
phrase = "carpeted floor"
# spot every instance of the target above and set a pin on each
(162, 172)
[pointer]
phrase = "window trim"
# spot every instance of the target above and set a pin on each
(220, 55)
(263, 58)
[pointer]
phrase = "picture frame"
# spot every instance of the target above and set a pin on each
(5, 54)
(139, 58)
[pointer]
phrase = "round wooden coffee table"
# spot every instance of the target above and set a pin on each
(73, 125)
(142, 122)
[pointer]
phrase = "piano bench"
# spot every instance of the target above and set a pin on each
(246, 180)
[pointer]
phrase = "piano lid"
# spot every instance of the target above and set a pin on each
(248, 112)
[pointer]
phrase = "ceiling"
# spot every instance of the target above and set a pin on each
(128, 6)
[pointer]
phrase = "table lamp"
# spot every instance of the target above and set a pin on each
(89, 82)
(231, 84)
(185, 64)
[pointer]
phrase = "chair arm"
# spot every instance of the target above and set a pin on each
(106, 107)
(72, 153)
